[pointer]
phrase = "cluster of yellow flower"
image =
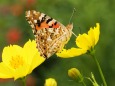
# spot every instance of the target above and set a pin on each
(18, 62)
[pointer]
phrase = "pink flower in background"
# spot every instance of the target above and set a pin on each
(13, 35)
(16, 10)
(31, 81)
(5, 10)
(30, 3)
(5, 80)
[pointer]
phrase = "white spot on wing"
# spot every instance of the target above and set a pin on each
(54, 20)
(50, 30)
(41, 16)
(28, 14)
(35, 21)
(32, 25)
(57, 31)
(34, 12)
(51, 22)
(29, 22)
(49, 39)
(44, 30)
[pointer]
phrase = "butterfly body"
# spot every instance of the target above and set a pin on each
(50, 35)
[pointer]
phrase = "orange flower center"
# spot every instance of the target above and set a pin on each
(16, 61)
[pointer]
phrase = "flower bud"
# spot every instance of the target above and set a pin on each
(50, 82)
(75, 74)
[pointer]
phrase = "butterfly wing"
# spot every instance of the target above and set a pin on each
(50, 35)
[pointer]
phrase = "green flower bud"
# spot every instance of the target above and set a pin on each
(75, 74)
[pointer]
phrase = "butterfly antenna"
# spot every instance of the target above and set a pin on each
(74, 34)
(74, 10)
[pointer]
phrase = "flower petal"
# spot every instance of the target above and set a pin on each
(91, 36)
(32, 55)
(21, 72)
(29, 50)
(94, 34)
(37, 60)
(83, 41)
(71, 52)
(97, 32)
(9, 52)
(5, 71)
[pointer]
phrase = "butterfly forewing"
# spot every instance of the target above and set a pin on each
(50, 35)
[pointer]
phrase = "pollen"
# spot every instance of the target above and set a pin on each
(16, 61)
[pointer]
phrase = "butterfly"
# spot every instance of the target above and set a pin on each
(50, 35)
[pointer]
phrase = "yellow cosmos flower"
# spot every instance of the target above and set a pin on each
(50, 82)
(18, 61)
(85, 42)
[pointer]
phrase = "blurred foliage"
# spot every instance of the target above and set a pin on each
(14, 29)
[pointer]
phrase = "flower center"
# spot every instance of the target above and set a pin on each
(16, 61)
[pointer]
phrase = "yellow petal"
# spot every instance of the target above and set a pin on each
(97, 32)
(30, 43)
(83, 41)
(29, 50)
(9, 52)
(36, 61)
(32, 55)
(91, 36)
(71, 52)
(21, 72)
(63, 53)
(93, 33)
(5, 71)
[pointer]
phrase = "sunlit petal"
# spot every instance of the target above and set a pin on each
(5, 71)
(91, 36)
(9, 52)
(97, 32)
(83, 41)
(36, 61)
(71, 52)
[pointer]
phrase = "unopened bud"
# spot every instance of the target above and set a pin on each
(50, 82)
(75, 74)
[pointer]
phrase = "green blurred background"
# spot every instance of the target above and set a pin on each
(14, 29)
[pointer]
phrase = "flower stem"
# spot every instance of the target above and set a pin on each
(100, 70)
(83, 83)
(24, 81)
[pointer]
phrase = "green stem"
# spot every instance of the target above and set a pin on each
(24, 81)
(83, 83)
(100, 70)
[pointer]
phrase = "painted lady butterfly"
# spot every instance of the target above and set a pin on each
(50, 35)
